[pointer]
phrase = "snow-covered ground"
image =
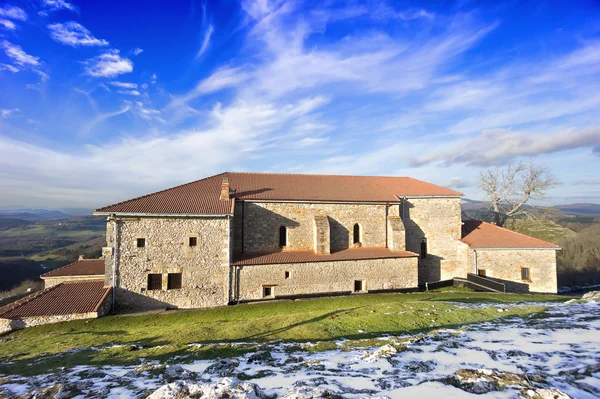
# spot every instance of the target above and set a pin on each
(548, 354)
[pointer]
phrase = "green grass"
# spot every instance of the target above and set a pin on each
(168, 334)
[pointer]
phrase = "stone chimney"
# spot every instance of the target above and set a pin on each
(80, 258)
(225, 193)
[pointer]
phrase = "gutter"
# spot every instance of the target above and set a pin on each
(230, 288)
(146, 214)
(517, 248)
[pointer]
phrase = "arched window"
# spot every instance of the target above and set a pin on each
(356, 233)
(424, 248)
(282, 236)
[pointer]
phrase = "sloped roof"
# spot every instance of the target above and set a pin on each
(61, 299)
(202, 196)
(478, 234)
(244, 259)
(85, 267)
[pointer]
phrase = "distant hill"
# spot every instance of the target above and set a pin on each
(32, 214)
(586, 209)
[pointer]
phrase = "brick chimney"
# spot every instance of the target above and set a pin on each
(225, 193)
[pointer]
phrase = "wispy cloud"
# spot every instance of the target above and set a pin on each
(501, 145)
(7, 67)
(137, 51)
(124, 85)
(74, 34)
(129, 92)
(8, 24)
(13, 12)
(19, 56)
(5, 113)
(55, 5)
(108, 65)
(208, 32)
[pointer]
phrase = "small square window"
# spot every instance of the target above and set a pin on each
(174, 281)
(267, 292)
(141, 242)
(193, 241)
(154, 282)
(525, 276)
(481, 272)
(287, 275)
(359, 286)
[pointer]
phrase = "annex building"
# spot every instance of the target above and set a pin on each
(241, 237)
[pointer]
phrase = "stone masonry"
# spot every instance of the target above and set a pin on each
(204, 267)
(326, 277)
(438, 220)
(505, 266)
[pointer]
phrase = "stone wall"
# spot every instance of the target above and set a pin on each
(7, 325)
(256, 225)
(439, 221)
(505, 266)
(52, 281)
(204, 268)
(326, 277)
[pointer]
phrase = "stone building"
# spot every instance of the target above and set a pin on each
(237, 237)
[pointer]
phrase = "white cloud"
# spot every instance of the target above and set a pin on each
(19, 56)
(206, 41)
(501, 145)
(13, 12)
(73, 34)
(8, 24)
(108, 64)
(5, 113)
(7, 67)
(137, 51)
(55, 5)
(124, 85)
(129, 92)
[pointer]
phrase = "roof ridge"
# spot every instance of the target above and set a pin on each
(318, 174)
(160, 191)
(16, 304)
(521, 234)
(70, 264)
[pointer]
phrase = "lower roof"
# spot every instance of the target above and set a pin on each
(478, 234)
(85, 267)
(61, 299)
(262, 258)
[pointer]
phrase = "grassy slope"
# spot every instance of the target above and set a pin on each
(544, 230)
(168, 334)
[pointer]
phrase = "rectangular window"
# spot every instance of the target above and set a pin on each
(424, 248)
(481, 272)
(193, 241)
(525, 274)
(287, 275)
(359, 286)
(141, 242)
(154, 282)
(174, 282)
(267, 292)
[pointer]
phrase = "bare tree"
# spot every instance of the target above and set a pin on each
(510, 188)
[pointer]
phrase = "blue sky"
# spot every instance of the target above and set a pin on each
(104, 100)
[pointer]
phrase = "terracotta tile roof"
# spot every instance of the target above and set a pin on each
(202, 196)
(61, 299)
(478, 234)
(244, 259)
(86, 267)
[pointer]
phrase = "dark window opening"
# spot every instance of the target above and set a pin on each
(359, 285)
(481, 272)
(193, 241)
(141, 242)
(267, 292)
(282, 236)
(154, 282)
(356, 233)
(287, 275)
(424, 248)
(525, 274)
(174, 281)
